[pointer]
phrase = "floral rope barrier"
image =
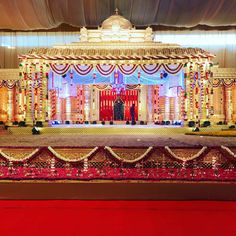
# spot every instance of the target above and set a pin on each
(24, 158)
(184, 158)
(229, 151)
(62, 157)
(118, 163)
(126, 160)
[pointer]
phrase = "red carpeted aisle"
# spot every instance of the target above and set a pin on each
(73, 217)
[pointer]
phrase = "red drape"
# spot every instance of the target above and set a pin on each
(107, 99)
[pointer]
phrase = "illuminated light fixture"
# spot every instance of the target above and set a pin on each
(56, 122)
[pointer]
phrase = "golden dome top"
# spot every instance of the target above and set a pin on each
(116, 22)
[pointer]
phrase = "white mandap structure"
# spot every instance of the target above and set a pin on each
(111, 68)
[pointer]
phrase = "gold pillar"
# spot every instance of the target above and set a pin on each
(45, 100)
(28, 115)
(10, 105)
(49, 106)
(218, 100)
(234, 103)
(58, 105)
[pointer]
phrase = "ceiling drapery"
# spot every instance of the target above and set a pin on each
(47, 14)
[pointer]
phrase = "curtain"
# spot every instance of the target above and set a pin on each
(14, 43)
(220, 43)
(46, 14)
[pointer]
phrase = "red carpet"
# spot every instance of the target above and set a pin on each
(117, 218)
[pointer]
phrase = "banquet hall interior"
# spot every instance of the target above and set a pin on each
(117, 114)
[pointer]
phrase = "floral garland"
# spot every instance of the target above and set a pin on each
(125, 160)
(151, 71)
(105, 72)
(79, 69)
(174, 70)
(102, 86)
(10, 158)
(8, 83)
(59, 69)
(203, 149)
(229, 151)
(202, 102)
(61, 157)
(191, 91)
(129, 70)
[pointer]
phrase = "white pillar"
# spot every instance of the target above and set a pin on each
(142, 101)
(177, 106)
(149, 103)
(68, 109)
(94, 103)
(218, 105)
(167, 108)
(87, 99)
(29, 113)
(228, 104)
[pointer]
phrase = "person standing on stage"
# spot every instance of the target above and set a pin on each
(132, 114)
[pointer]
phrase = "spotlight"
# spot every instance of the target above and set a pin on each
(35, 130)
(56, 122)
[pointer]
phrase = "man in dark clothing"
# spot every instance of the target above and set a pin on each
(132, 114)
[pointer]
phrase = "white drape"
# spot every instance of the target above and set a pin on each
(44, 14)
(221, 43)
(15, 43)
